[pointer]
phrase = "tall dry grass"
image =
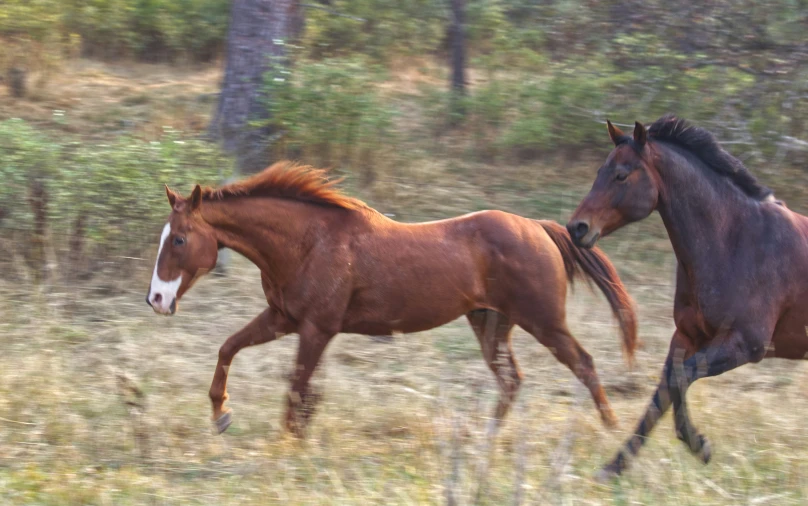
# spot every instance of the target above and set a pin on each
(104, 402)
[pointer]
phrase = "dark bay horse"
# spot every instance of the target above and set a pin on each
(742, 274)
(329, 264)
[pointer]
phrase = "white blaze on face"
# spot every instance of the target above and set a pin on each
(163, 293)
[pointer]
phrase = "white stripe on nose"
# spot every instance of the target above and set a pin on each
(163, 293)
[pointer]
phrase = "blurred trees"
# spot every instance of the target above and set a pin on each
(256, 40)
(368, 91)
(151, 30)
(546, 72)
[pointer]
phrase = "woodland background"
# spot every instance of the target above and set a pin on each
(104, 101)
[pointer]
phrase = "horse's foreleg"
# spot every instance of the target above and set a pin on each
(721, 355)
(266, 327)
(301, 400)
(660, 403)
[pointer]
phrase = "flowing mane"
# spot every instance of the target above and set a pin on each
(703, 144)
(288, 180)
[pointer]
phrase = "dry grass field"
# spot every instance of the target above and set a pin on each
(104, 402)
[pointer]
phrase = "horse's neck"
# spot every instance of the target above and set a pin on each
(269, 232)
(700, 209)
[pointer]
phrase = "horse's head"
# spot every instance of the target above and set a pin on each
(188, 249)
(625, 190)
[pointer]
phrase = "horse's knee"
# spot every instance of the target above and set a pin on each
(756, 353)
(749, 347)
(226, 352)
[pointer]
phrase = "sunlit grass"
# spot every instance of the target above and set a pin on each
(107, 404)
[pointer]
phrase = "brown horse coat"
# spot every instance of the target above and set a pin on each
(331, 264)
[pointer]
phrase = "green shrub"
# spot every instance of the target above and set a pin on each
(553, 116)
(117, 188)
(330, 112)
(146, 29)
(377, 28)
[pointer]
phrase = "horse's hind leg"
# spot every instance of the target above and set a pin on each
(301, 400)
(557, 338)
(493, 330)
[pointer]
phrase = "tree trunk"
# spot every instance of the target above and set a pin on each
(457, 49)
(256, 41)
(38, 200)
(457, 45)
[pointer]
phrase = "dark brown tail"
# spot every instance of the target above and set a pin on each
(596, 265)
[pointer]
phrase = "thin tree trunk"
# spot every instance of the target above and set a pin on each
(256, 40)
(38, 200)
(457, 45)
(457, 48)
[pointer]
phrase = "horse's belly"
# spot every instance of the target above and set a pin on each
(405, 314)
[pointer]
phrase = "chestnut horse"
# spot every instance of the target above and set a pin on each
(742, 274)
(329, 264)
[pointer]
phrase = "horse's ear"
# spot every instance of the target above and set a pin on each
(196, 197)
(615, 133)
(172, 197)
(640, 135)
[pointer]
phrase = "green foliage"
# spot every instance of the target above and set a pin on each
(146, 29)
(556, 115)
(525, 114)
(554, 69)
(117, 187)
(519, 115)
(330, 112)
(26, 156)
(377, 28)
(33, 18)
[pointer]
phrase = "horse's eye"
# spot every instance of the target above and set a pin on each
(621, 176)
(179, 241)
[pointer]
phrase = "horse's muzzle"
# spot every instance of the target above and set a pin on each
(582, 234)
(157, 303)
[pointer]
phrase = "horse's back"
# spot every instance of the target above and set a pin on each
(443, 269)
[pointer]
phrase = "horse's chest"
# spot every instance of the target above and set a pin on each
(700, 314)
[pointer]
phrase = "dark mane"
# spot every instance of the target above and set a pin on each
(703, 144)
(288, 180)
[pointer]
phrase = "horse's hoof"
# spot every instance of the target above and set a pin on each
(606, 474)
(223, 422)
(296, 431)
(610, 421)
(613, 470)
(706, 452)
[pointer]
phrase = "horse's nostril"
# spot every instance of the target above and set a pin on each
(577, 229)
(581, 228)
(157, 298)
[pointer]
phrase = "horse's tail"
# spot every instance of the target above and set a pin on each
(597, 267)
